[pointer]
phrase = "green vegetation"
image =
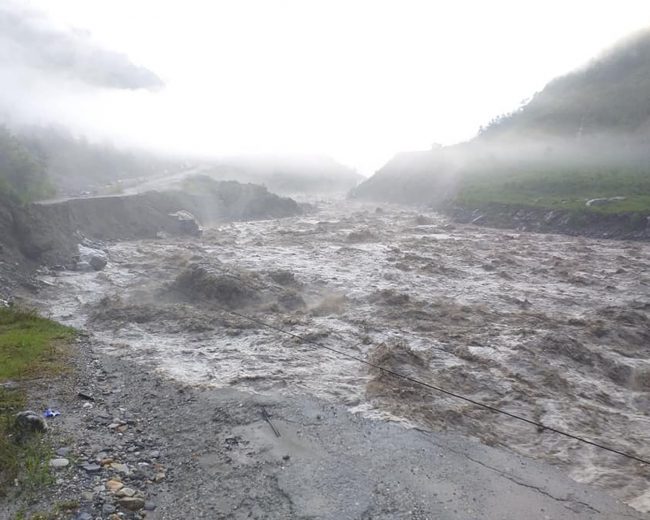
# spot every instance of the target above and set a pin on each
(60, 510)
(29, 344)
(584, 136)
(609, 95)
(75, 164)
(22, 170)
(599, 118)
(561, 189)
(30, 347)
(35, 162)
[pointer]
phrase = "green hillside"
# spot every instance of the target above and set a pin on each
(23, 173)
(39, 162)
(585, 136)
(609, 95)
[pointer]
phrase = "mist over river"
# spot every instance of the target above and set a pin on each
(550, 327)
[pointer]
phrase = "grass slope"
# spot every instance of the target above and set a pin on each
(561, 188)
(30, 347)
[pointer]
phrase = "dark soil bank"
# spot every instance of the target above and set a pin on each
(626, 226)
(49, 233)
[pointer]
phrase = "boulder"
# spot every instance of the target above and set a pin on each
(29, 422)
(186, 223)
(91, 259)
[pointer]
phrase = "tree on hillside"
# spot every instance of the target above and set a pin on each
(22, 170)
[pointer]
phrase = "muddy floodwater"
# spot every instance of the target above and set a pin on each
(551, 327)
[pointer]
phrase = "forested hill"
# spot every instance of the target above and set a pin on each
(609, 95)
(40, 162)
(23, 174)
(584, 136)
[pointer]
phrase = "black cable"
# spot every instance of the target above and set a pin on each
(539, 425)
(315, 344)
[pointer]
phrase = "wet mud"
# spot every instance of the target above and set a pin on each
(553, 328)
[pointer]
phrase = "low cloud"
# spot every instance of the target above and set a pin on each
(30, 40)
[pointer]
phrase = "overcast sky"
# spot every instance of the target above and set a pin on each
(357, 80)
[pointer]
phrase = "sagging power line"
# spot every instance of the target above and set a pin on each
(542, 427)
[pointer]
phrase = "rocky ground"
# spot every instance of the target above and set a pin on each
(132, 444)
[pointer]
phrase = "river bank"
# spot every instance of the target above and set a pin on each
(148, 446)
(547, 326)
(573, 222)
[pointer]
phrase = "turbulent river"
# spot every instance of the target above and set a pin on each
(553, 328)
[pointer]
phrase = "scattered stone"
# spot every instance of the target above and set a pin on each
(114, 485)
(59, 463)
(154, 454)
(83, 516)
(120, 468)
(125, 492)
(132, 503)
(158, 477)
(149, 506)
(86, 396)
(108, 509)
(63, 452)
(91, 468)
(87, 496)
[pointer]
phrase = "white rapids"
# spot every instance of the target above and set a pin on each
(551, 327)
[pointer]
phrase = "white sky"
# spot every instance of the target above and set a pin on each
(358, 80)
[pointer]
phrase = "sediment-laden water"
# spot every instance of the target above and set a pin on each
(551, 327)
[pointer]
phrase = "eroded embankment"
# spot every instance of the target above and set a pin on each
(48, 233)
(622, 226)
(550, 327)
